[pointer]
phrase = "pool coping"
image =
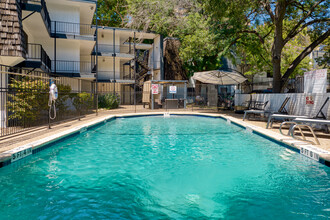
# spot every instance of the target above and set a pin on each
(301, 147)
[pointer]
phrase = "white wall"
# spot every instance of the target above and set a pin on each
(105, 36)
(63, 12)
(296, 105)
(105, 68)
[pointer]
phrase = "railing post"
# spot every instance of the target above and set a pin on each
(96, 62)
(134, 74)
(114, 61)
(55, 47)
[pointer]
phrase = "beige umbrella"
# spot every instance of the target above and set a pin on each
(219, 77)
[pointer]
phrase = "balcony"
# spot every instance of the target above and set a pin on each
(70, 30)
(119, 77)
(36, 57)
(73, 68)
(37, 6)
(123, 51)
(38, 54)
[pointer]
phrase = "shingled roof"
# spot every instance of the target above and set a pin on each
(12, 38)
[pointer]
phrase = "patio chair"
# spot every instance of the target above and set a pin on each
(283, 117)
(257, 111)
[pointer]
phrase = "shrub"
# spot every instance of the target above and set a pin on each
(63, 95)
(27, 99)
(82, 101)
(109, 101)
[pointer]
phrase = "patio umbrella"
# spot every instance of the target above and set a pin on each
(219, 77)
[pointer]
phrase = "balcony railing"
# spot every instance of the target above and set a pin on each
(111, 75)
(64, 66)
(35, 52)
(59, 28)
(45, 15)
(43, 11)
(114, 49)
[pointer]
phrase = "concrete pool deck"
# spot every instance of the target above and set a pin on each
(41, 136)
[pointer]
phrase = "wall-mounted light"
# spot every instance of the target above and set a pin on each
(102, 35)
(92, 7)
(103, 60)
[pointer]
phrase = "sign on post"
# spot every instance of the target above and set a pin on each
(173, 89)
(154, 88)
(315, 81)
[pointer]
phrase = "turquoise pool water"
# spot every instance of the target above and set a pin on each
(165, 168)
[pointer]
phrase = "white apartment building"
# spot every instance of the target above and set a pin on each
(57, 36)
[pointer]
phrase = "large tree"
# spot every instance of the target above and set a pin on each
(112, 13)
(283, 20)
(183, 19)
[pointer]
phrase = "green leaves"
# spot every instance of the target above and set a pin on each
(27, 98)
(109, 101)
(112, 13)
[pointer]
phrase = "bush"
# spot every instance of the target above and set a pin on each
(64, 92)
(109, 101)
(82, 101)
(27, 99)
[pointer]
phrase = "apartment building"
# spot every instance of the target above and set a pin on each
(57, 36)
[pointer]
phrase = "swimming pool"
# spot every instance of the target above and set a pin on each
(156, 167)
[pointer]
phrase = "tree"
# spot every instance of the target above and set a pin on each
(112, 13)
(324, 61)
(239, 20)
(183, 19)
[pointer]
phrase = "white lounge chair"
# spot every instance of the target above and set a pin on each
(313, 121)
(284, 117)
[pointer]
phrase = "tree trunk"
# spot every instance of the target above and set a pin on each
(277, 79)
(278, 46)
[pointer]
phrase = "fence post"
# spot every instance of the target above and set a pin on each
(134, 74)
(185, 95)
(96, 97)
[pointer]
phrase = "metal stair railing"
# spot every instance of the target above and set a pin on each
(291, 131)
(299, 126)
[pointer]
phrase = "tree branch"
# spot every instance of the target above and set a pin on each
(268, 33)
(303, 54)
(266, 5)
(254, 32)
(294, 29)
(293, 34)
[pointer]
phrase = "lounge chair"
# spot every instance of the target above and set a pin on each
(257, 111)
(282, 109)
(313, 121)
(283, 117)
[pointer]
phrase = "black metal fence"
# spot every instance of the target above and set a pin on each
(24, 97)
(135, 98)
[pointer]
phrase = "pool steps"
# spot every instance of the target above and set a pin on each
(301, 147)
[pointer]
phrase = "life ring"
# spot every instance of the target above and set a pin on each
(53, 94)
